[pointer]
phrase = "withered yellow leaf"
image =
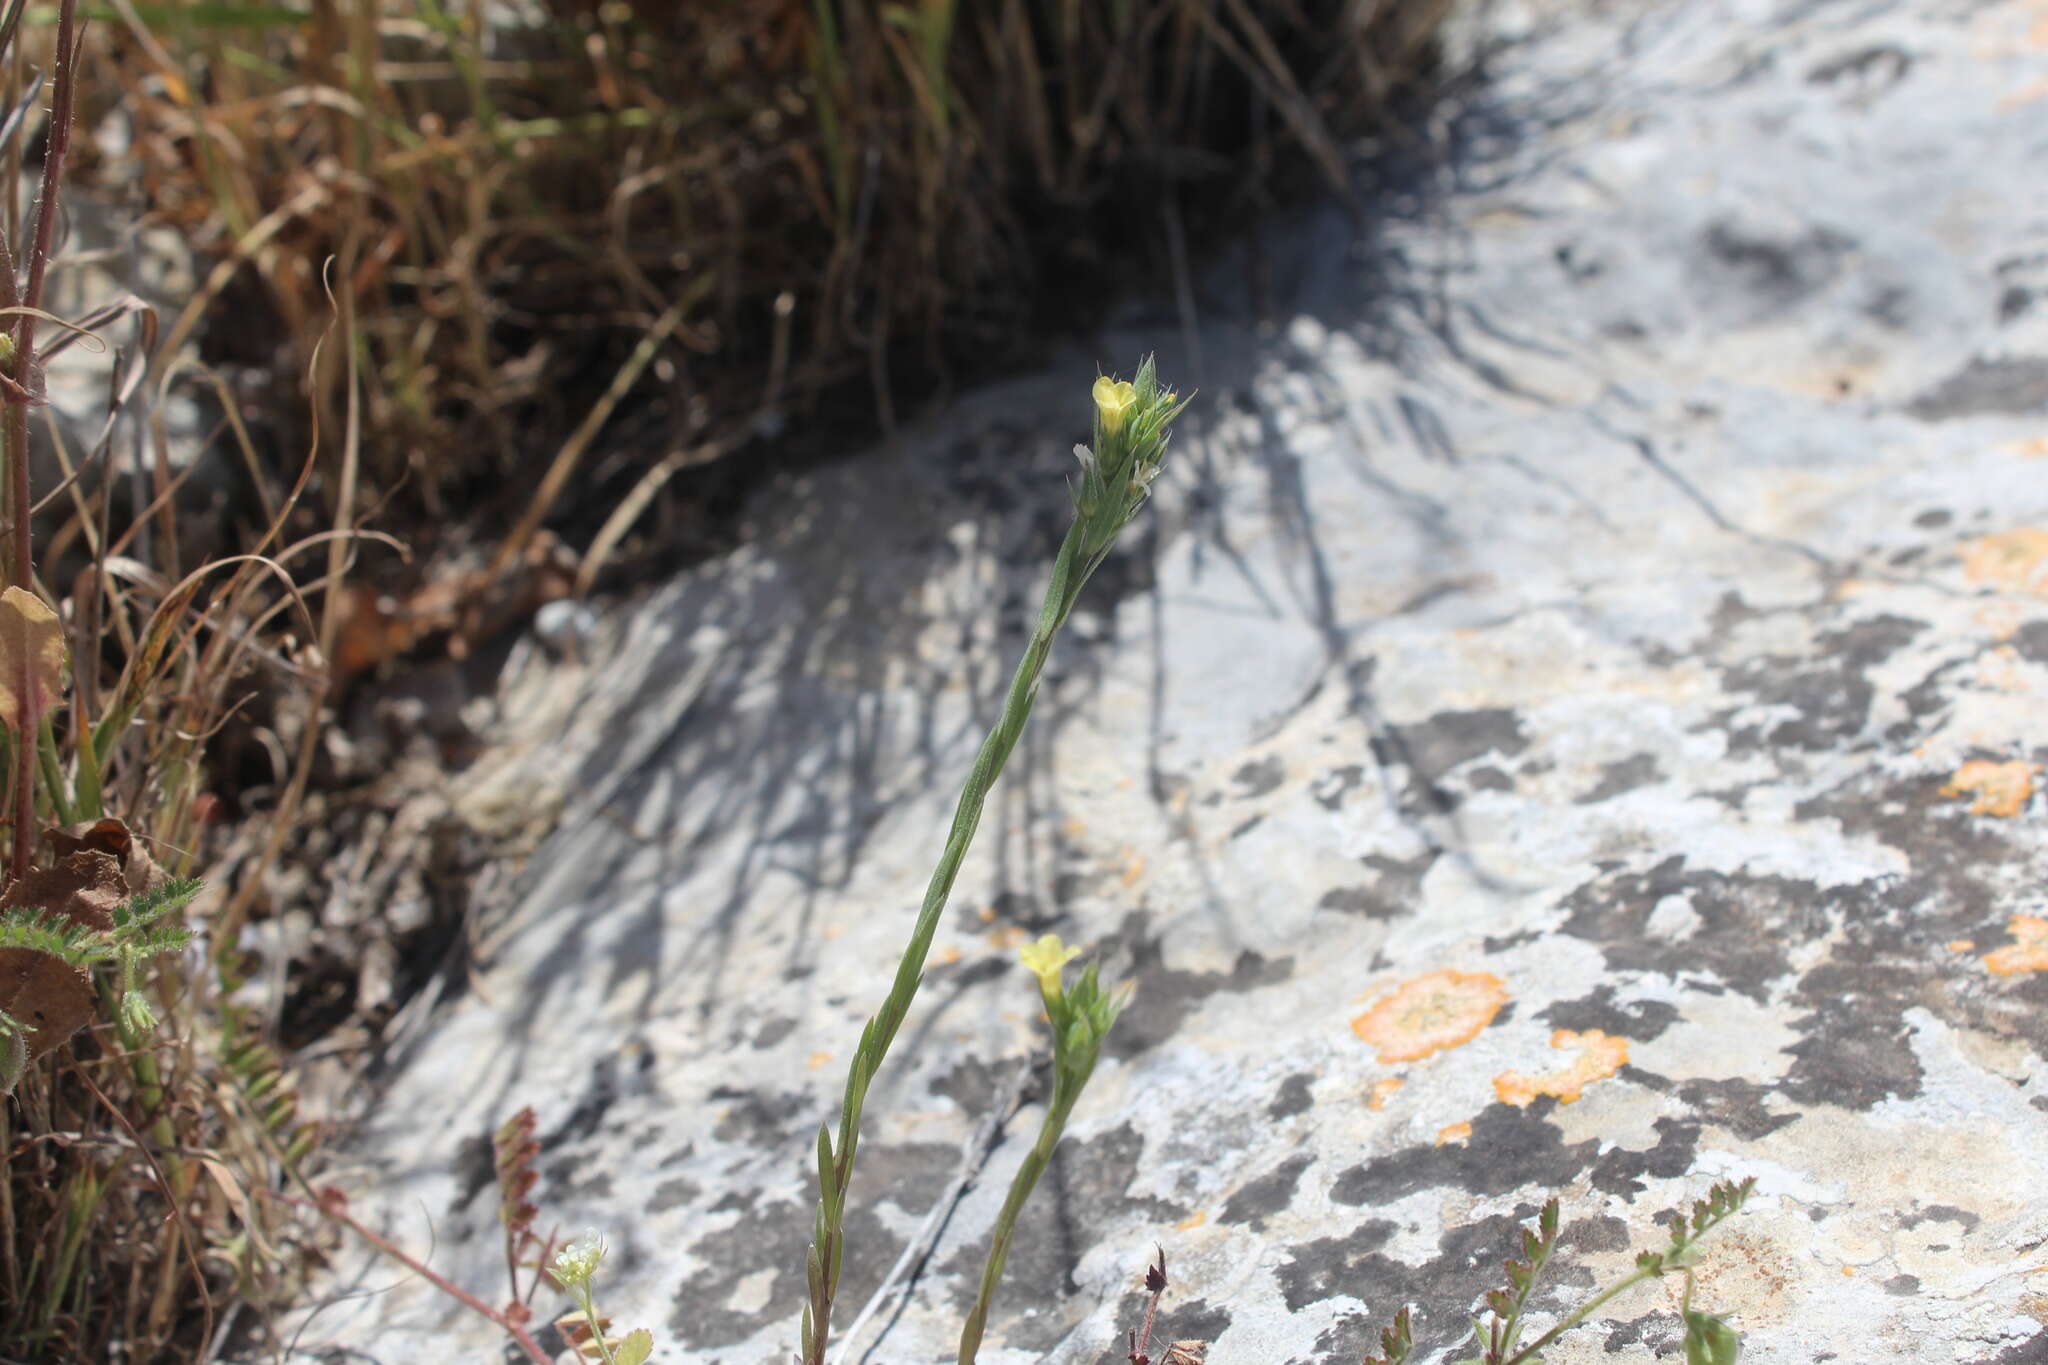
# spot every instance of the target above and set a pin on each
(31, 657)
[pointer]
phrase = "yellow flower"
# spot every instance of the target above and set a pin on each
(1044, 959)
(1114, 398)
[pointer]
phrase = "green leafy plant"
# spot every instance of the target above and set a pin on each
(137, 937)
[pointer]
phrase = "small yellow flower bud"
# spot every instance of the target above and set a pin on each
(1114, 398)
(1044, 960)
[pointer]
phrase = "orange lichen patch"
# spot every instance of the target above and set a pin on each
(1191, 1223)
(1007, 936)
(2001, 789)
(2033, 448)
(1431, 1013)
(818, 1059)
(2028, 952)
(1961, 945)
(947, 955)
(1073, 828)
(1454, 1132)
(2014, 560)
(1133, 869)
(1383, 1090)
(1600, 1056)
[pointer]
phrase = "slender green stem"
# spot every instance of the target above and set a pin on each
(836, 1172)
(1131, 432)
(1578, 1316)
(1035, 1162)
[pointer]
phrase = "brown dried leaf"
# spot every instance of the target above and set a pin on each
(112, 837)
(84, 887)
(31, 657)
(51, 998)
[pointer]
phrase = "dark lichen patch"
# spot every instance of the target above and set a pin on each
(1748, 275)
(1259, 777)
(2030, 641)
(1616, 779)
(1746, 924)
(773, 1031)
(1449, 738)
(1467, 1263)
(1195, 1320)
(476, 1166)
(769, 1238)
(1734, 1104)
(1083, 1196)
(1165, 996)
(1510, 1149)
(1329, 1266)
(1942, 1213)
(560, 1180)
(1487, 778)
(1601, 1232)
(909, 1175)
(1020, 908)
(1263, 1196)
(1857, 1050)
(1641, 1020)
(971, 1083)
(1294, 1096)
(2012, 386)
(1955, 859)
(1650, 1329)
(1828, 690)
(670, 1194)
(1621, 1171)
(756, 1119)
(1332, 787)
(1396, 889)
(1353, 900)
(1902, 1286)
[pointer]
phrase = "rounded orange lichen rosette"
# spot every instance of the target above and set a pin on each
(1431, 1013)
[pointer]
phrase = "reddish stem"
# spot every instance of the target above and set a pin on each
(57, 145)
(440, 1282)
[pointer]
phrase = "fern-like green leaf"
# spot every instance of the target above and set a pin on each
(47, 932)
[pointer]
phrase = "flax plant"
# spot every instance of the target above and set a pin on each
(1132, 421)
(1080, 1019)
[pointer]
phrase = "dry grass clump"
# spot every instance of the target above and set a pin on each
(754, 217)
(145, 1118)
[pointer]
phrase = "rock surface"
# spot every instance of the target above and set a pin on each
(1607, 621)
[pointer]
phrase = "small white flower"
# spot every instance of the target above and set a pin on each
(578, 1261)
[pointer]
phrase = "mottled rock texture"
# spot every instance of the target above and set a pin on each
(1622, 576)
